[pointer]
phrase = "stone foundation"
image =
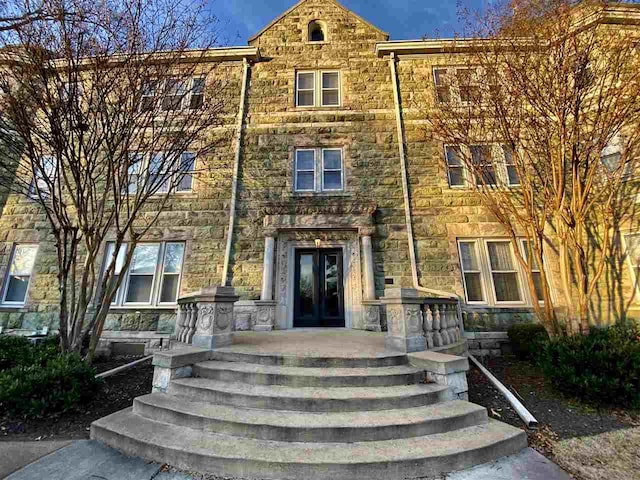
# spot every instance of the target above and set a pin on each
(488, 344)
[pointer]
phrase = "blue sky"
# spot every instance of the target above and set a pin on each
(402, 19)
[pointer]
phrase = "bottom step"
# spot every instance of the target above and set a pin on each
(384, 460)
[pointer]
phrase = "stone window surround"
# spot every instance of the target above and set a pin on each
(486, 277)
(325, 31)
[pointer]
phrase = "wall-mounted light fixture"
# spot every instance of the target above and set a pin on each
(317, 243)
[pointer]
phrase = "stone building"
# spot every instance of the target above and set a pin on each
(331, 208)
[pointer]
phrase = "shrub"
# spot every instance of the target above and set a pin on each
(34, 390)
(527, 339)
(19, 351)
(601, 368)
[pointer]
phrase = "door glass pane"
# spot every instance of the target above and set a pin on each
(306, 284)
(331, 287)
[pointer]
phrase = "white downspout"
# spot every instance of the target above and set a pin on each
(236, 168)
(405, 187)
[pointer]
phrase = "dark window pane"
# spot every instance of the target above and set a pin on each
(306, 81)
(169, 291)
(512, 173)
(332, 181)
(456, 176)
(473, 284)
(17, 289)
(305, 181)
(330, 97)
(305, 159)
(537, 282)
(506, 287)
(139, 289)
(332, 159)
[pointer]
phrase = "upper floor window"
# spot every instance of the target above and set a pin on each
(16, 285)
(463, 84)
(317, 31)
(318, 89)
(318, 170)
(45, 173)
(153, 277)
(161, 173)
(173, 94)
(492, 165)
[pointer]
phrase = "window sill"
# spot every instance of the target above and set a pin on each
(295, 195)
(321, 109)
(13, 308)
(134, 308)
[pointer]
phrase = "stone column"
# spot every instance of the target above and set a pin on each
(370, 306)
(214, 324)
(266, 306)
(404, 320)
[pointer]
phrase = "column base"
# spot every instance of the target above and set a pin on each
(266, 315)
(212, 341)
(405, 344)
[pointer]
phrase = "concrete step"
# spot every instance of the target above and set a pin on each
(384, 360)
(308, 399)
(290, 426)
(195, 450)
(306, 376)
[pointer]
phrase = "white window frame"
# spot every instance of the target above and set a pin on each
(498, 161)
(323, 170)
(318, 89)
(5, 287)
(120, 299)
(160, 89)
(173, 183)
(632, 269)
(318, 170)
(475, 243)
(516, 271)
(524, 249)
(488, 287)
(451, 71)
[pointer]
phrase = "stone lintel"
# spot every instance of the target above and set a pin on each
(439, 363)
(180, 358)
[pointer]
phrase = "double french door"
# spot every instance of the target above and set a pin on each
(319, 289)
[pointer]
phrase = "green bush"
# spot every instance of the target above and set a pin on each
(601, 368)
(19, 351)
(34, 390)
(527, 339)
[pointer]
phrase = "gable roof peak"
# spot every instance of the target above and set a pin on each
(334, 2)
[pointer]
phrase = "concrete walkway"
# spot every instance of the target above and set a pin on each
(90, 460)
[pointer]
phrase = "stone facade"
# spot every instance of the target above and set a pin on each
(368, 213)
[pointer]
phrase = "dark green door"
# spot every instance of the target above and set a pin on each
(319, 289)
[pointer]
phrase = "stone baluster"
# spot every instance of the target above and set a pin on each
(443, 325)
(179, 322)
(428, 326)
(453, 321)
(185, 323)
(437, 338)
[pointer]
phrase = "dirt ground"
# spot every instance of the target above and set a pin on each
(590, 443)
(118, 393)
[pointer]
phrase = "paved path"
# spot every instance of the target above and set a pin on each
(90, 460)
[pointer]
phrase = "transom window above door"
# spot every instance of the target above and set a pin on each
(318, 170)
(319, 88)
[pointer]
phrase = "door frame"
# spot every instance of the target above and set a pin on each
(319, 256)
(285, 271)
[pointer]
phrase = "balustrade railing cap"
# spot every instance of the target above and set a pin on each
(211, 294)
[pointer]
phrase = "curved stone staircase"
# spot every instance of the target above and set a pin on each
(289, 417)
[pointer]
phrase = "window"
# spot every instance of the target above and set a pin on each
(455, 167)
(318, 89)
(492, 165)
(611, 158)
(16, 285)
(632, 242)
(317, 31)
(318, 170)
(163, 174)
(461, 84)
(46, 171)
(535, 268)
(491, 274)
(153, 277)
(471, 272)
(504, 275)
(173, 93)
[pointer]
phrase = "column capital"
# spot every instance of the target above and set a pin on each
(367, 231)
(270, 232)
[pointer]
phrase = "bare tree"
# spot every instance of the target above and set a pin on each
(105, 112)
(543, 112)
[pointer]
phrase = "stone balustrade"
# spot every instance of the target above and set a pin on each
(442, 322)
